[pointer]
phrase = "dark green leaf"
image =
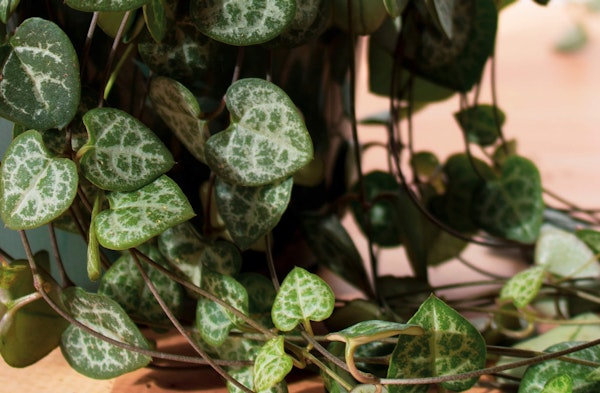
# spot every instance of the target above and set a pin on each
(512, 206)
(40, 85)
(481, 123)
(335, 249)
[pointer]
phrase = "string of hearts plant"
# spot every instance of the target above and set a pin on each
(207, 152)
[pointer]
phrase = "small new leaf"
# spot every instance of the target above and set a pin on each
(267, 139)
(35, 188)
(271, 365)
(303, 297)
(524, 286)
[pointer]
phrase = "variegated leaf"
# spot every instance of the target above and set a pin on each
(35, 188)
(242, 23)
(250, 213)
(179, 109)
(272, 364)
(122, 154)
(266, 140)
(40, 86)
(92, 356)
(137, 216)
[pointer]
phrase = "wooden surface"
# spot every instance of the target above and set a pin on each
(552, 106)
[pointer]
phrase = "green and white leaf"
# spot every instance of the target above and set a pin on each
(512, 206)
(450, 345)
(303, 297)
(105, 5)
(92, 356)
(564, 254)
(122, 154)
(35, 188)
(562, 383)
(213, 320)
(271, 365)
(137, 216)
(242, 23)
(538, 375)
(523, 287)
(250, 213)
(179, 109)
(267, 139)
(124, 284)
(40, 86)
(7, 7)
(245, 375)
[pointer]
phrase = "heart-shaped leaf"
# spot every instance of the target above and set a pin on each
(27, 332)
(213, 320)
(250, 213)
(94, 262)
(35, 188)
(512, 206)
(266, 140)
(245, 375)
(178, 107)
(122, 154)
(523, 287)
(40, 77)
(303, 297)
(105, 5)
(481, 123)
(124, 283)
(137, 216)
(450, 345)
(539, 375)
(271, 365)
(92, 356)
(249, 23)
(564, 254)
